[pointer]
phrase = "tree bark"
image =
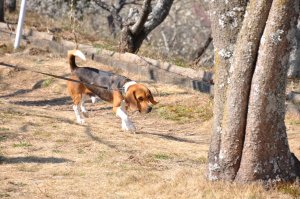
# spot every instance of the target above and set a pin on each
(133, 36)
(11, 5)
(1, 10)
(266, 154)
(236, 106)
(226, 22)
(294, 61)
(250, 91)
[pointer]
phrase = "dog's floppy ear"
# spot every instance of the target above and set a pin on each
(151, 99)
(131, 100)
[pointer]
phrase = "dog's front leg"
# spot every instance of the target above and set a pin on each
(127, 125)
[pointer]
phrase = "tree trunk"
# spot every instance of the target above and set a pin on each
(249, 91)
(133, 36)
(294, 61)
(266, 154)
(236, 106)
(11, 5)
(1, 10)
(226, 20)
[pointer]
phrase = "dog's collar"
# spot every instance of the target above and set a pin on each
(126, 86)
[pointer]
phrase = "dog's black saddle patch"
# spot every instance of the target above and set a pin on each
(108, 80)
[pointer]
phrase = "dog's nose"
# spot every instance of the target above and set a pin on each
(149, 109)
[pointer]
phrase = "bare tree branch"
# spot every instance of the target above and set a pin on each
(114, 19)
(133, 37)
(165, 41)
(158, 14)
(138, 26)
(200, 51)
(103, 5)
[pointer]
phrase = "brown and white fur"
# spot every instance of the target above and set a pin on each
(136, 97)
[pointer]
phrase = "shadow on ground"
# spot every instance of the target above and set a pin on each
(53, 102)
(170, 137)
(32, 159)
(89, 133)
(37, 85)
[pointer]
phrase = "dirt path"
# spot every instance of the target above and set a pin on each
(45, 154)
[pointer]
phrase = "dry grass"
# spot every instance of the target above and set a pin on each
(45, 154)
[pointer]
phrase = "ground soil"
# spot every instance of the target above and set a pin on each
(44, 153)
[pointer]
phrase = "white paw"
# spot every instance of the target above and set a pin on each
(127, 125)
(80, 121)
(93, 98)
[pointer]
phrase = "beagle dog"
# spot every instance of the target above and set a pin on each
(124, 93)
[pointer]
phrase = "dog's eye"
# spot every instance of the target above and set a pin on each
(140, 99)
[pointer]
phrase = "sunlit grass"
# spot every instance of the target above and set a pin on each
(22, 144)
(182, 113)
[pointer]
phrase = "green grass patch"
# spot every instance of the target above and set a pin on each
(290, 189)
(4, 129)
(202, 160)
(2, 138)
(105, 45)
(47, 82)
(179, 62)
(181, 113)
(22, 144)
(161, 156)
(57, 151)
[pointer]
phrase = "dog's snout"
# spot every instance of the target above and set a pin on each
(149, 109)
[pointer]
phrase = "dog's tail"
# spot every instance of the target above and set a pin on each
(71, 58)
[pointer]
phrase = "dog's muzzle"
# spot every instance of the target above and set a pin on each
(149, 109)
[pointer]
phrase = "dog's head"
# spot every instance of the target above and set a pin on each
(139, 98)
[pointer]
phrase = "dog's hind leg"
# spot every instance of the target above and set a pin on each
(82, 106)
(77, 114)
(77, 100)
(93, 99)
